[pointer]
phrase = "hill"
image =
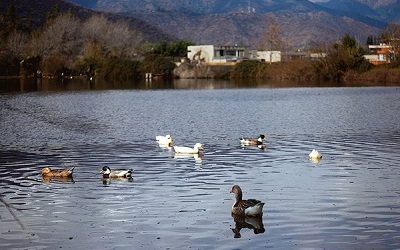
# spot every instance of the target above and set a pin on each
(34, 15)
(302, 22)
(381, 10)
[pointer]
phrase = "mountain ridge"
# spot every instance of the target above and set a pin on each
(303, 23)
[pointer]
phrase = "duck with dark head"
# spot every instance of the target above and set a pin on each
(250, 207)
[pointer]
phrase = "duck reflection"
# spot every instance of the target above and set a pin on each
(254, 223)
(59, 179)
(108, 181)
(197, 157)
(256, 147)
(315, 160)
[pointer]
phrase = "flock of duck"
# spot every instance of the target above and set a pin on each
(241, 207)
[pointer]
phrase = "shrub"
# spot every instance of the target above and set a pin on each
(248, 69)
(115, 69)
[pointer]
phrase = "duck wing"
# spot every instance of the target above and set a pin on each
(62, 172)
(122, 173)
(184, 150)
(250, 141)
(247, 203)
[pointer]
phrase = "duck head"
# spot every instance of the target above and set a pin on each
(199, 146)
(106, 171)
(237, 191)
(169, 139)
(46, 170)
(261, 138)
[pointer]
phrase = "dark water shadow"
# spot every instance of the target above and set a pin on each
(62, 180)
(253, 223)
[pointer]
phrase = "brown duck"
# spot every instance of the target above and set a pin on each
(48, 172)
(242, 207)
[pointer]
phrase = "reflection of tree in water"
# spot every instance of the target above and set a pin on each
(254, 223)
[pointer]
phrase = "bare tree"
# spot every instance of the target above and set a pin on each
(391, 35)
(272, 37)
(58, 44)
(16, 44)
(62, 35)
(115, 38)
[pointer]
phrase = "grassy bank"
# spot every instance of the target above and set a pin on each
(305, 72)
(383, 76)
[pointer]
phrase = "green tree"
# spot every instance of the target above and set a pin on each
(171, 49)
(342, 57)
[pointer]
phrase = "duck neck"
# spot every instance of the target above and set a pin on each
(238, 197)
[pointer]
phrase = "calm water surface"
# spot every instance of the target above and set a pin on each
(350, 199)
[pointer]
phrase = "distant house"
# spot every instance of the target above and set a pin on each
(302, 55)
(265, 56)
(216, 54)
(229, 54)
(379, 54)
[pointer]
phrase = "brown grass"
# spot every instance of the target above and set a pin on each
(383, 76)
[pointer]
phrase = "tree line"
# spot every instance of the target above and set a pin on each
(344, 61)
(95, 46)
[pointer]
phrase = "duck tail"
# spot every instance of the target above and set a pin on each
(71, 169)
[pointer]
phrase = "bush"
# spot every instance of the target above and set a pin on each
(9, 66)
(157, 65)
(249, 69)
(115, 69)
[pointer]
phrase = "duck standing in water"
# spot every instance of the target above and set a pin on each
(108, 173)
(252, 141)
(66, 173)
(164, 140)
(242, 207)
(197, 149)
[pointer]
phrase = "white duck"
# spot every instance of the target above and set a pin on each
(242, 207)
(315, 155)
(107, 173)
(164, 140)
(198, 148)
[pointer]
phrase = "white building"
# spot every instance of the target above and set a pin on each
(265, 56)
(230, 54)
(216, 54)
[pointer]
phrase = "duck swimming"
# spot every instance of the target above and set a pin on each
(242, 207)
(252, 141)
(164, 140)
(198, 148)
(48, 172)
(108, 173)
(315, 155)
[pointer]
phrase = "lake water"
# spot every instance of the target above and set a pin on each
(350, 199)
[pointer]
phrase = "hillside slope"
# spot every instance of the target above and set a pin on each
(303, 23)
(34, 15)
